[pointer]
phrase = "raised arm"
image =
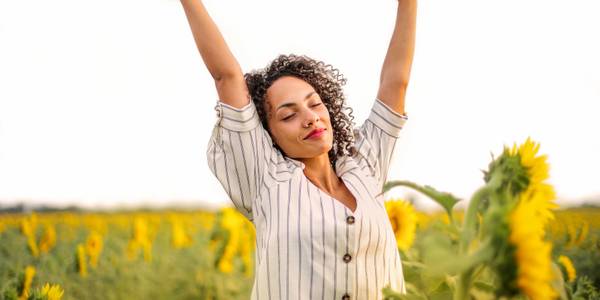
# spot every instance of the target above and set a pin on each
(395, 72)
(220, 62)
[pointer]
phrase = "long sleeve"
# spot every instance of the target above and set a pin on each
(239, 153)
(376, 138)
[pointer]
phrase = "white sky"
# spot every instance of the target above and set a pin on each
(108, 102)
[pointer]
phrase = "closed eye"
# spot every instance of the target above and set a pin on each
(290, 116)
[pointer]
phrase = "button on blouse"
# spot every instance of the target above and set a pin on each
(350, 220)
(310, 245)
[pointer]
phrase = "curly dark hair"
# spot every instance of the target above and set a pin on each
(327, 82)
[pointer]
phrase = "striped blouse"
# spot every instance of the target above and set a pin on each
(308, 244)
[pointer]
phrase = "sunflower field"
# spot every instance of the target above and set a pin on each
(512, 242)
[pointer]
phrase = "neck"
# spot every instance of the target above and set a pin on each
(320, 172)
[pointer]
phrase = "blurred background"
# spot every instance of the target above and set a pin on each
(108, 104)
(106, 109)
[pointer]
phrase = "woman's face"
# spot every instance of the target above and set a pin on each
(294, 110)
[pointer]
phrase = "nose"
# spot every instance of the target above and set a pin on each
(312, 118)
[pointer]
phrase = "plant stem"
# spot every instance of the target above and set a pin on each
(446, 200)
(463, 283)
(468, 228)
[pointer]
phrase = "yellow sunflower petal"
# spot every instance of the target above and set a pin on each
(403, 219)
(532, 253)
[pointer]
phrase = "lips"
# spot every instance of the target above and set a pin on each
(318, 130)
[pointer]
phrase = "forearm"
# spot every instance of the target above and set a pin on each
(215, 53)
(399, 57)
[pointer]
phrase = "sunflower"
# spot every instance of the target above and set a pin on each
(28, 226)
(528, 221)
(403, 218)
(542, 199)
(93, 247)
(27, 280)
(520, 220)
(140, 239)
(225, 264)
(532, 253)
(52, 292)
(231, 218)
(568, 265)
(81, 260)
(537, 166)
(48, 240)
(246, 245)
(179, 236)
(537, 172)
(233, 222)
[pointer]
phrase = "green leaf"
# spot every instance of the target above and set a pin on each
(558, 282)
(484, 286)
(412, 293)
(446, 200)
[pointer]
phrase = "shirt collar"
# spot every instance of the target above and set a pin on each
(296, 162)
(348, 164)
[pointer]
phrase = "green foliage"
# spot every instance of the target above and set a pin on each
(10, 294)
(585, 257)
(514, 176)
(191, 273)
(446, 200)
(583, 288)
(187, 273)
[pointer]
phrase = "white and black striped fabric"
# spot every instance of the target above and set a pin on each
(308, 244)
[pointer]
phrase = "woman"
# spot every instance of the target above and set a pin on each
(291, 162)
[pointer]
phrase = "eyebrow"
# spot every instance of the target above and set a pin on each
(292, 103)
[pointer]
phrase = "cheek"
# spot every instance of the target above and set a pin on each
(286, 133)
(325, 116)
(327, 120)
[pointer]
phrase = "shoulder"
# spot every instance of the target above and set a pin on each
(384, 118)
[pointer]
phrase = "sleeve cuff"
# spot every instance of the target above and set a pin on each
(387, 119)
(237, 119)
